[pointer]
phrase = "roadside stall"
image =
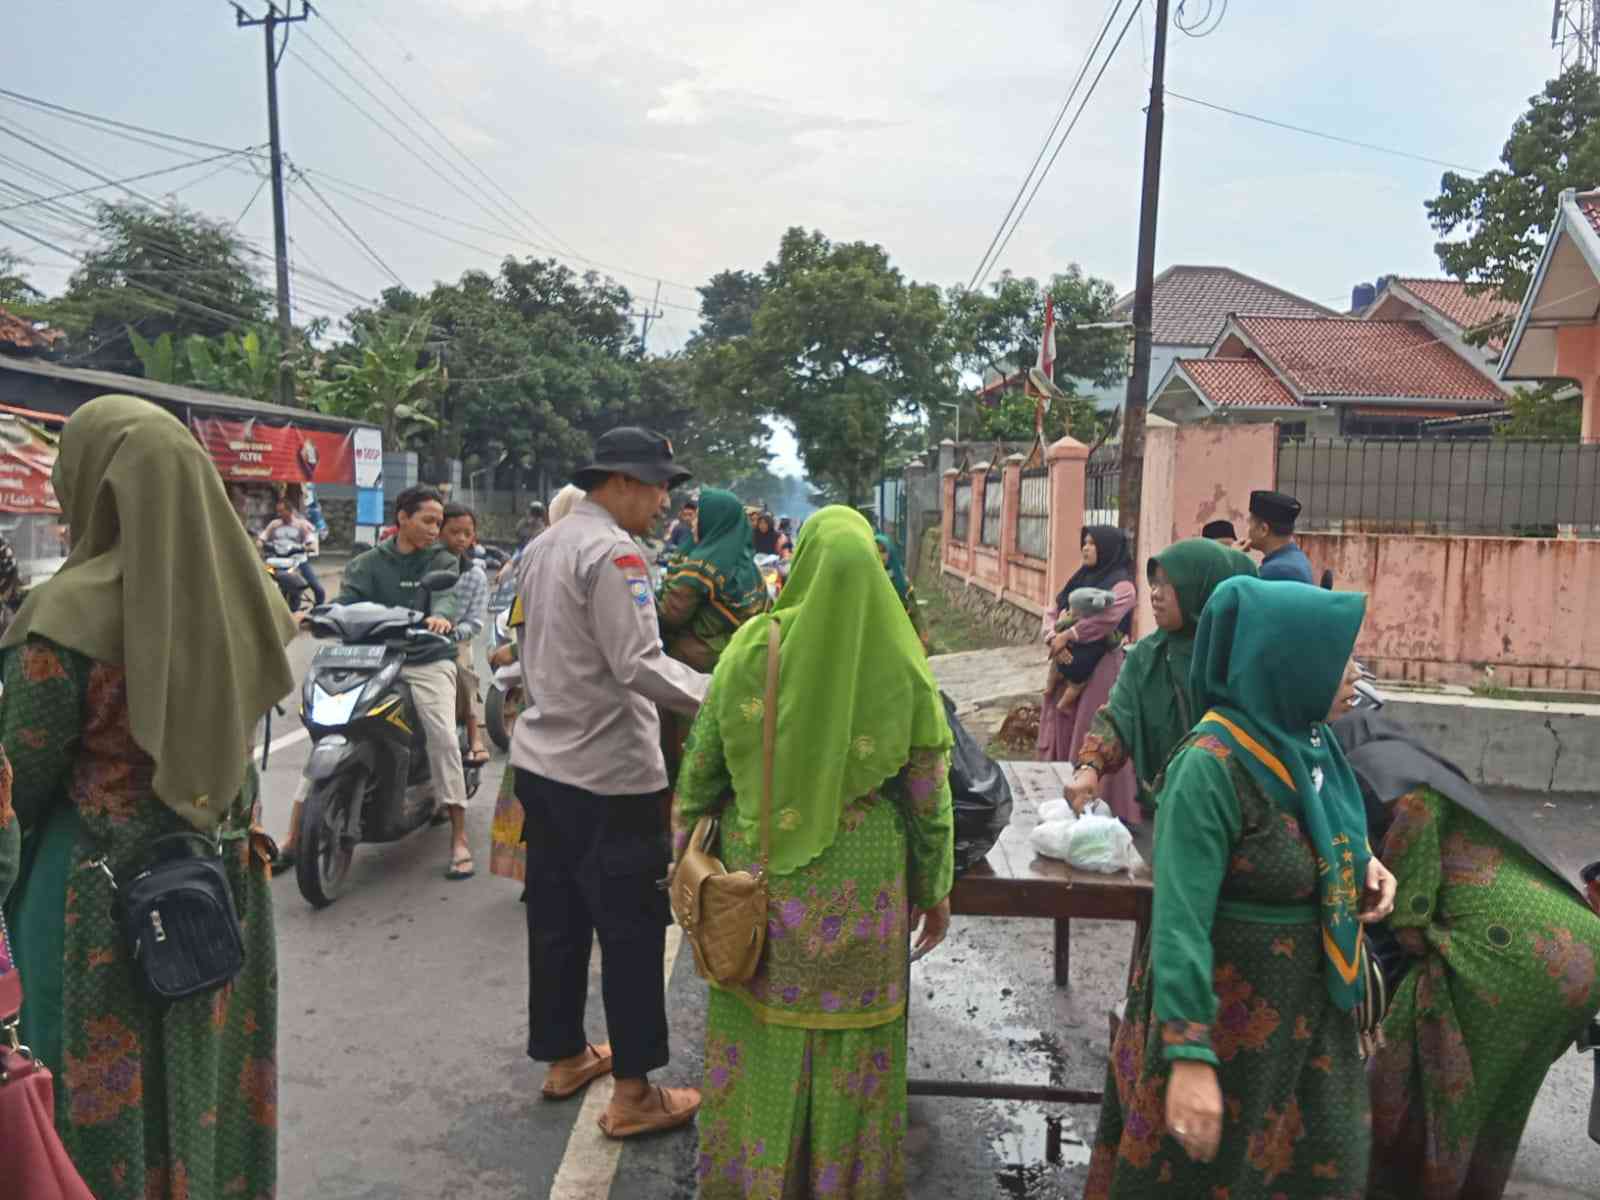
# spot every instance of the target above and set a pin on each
(30, 517)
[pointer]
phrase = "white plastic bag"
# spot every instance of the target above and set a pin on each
(1051, 838)
(1055, 810)
(1102, 844)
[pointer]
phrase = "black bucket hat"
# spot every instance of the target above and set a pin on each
(637, 453)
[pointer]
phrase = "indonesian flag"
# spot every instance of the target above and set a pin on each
(1047, 344)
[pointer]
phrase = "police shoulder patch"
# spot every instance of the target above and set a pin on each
(629, 562)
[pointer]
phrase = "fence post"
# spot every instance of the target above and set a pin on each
(980, 489)
(947, 515)
(1010, 509)
(916, 471)
(1068, 460)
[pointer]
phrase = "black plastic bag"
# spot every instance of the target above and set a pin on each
(980, 793)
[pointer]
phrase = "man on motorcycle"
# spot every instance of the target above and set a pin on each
(291, 526)
(591, 779)
(472, 603)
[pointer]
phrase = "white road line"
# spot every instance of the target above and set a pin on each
(288, 739)
(590, 1162)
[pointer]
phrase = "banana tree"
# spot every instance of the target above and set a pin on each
(239, 365)
(386, 386)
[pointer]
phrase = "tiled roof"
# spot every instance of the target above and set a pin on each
(1336, 356)
(1589, 202)
(1449, 297)
(1191, 303)
(20, 334)
(1237, 383)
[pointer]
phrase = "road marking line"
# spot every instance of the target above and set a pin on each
(590, 1162)
(288, 739)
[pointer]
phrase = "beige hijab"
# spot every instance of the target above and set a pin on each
(164, 582)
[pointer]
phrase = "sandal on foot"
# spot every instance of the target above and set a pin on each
(673, 1108)
(561, 1083)
(461, 868)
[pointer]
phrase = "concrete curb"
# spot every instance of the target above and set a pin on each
(1527, 745)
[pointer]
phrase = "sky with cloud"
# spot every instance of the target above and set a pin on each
(672, 140)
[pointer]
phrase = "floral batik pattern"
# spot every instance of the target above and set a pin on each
(1503, 980)
(1293, 1087)
(153, 1102)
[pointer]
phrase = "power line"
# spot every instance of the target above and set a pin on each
(983, 263)
(1331, 137)
(99, 120)
(1045, 174)
(1199, 29)
(346, 226)
(440, 133)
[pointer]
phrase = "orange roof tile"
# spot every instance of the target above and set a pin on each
(21, 334)
(1237, 383)
(1451, 299)
(1337, 356)
(1191, 304)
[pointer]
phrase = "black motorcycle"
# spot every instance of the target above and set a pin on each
(369, 776)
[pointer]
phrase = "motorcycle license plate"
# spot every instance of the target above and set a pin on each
(350, 656)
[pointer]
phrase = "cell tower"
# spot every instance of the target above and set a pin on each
(1575, 32)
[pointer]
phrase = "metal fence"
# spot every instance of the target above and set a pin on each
(1102, 483)
(994, 495)
(1515, 489)
(961, 528)
(1033, 514)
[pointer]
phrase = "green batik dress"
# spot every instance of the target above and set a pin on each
(805, 1080)
(1505, 980)
(153, 1102)
(1237, 982)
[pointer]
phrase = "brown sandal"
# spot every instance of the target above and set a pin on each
(640, 1120)
(561, 1083)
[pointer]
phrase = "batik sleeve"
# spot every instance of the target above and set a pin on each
(1197, 825)
(930, 826)
(1102, 746)
(41, 715)
(1411, 851)
(677, 605)
(703, 779)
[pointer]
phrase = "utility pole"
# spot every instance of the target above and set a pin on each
(1575, 32)
(653, 313)
(1132, 477)
(280, 233)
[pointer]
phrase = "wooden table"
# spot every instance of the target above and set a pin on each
(1016, 882)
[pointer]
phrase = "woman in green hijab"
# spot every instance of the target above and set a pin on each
(805, 1084)
(902, 585)
(133, 682)
(1152, 707)
(1263, 880)
(715, 587)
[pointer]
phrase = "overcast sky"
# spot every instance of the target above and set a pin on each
(677, 139)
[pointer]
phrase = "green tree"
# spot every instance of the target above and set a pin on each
(14, 286)
(244, 365)
(386, 383)
(169, 271)
(728, 303)
(1011, 419)
(999, 330)
(844, 348)
(1550, 411)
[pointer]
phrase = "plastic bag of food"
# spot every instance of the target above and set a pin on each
(1052, 838)
(1102, 844)
(1055, 810)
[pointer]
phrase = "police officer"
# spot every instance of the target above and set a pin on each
(1271, 531)
(591, 780)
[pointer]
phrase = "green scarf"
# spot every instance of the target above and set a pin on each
(164, 582)
(721, 565)
(855, 694)
(896, 569)
(1268, 661)
(1151, 704)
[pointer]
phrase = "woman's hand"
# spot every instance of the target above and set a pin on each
(1082, 788)
(935, 923)
(1377, 900)
(1194, 1108)
(1060, 647)
(503, 656)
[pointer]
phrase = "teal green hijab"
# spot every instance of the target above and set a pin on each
(721, 565)
(1151, 704)
(1269, 659)
(896, 568)
(855, 694)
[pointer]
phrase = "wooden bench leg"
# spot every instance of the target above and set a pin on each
(1063, 949)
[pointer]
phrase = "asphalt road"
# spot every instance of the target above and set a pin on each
(403, 1019)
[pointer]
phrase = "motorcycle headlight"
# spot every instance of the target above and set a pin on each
(376, 685)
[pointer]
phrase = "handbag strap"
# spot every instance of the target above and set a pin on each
(769, 736)
(10, 988)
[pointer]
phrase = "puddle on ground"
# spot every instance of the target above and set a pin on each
(1035, 1160)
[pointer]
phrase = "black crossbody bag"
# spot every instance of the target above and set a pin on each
(178, 919)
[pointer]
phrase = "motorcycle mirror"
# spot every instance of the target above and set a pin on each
(439, 581)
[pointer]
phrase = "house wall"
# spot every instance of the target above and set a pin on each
(1443, 609)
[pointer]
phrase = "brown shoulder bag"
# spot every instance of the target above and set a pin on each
(724, 913)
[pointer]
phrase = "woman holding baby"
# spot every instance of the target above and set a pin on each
(1086, 654)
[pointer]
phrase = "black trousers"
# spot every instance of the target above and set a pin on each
(593, 866)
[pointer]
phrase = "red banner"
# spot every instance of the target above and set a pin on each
(27, 457)
(256, 452)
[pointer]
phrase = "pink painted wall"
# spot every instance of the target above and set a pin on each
(1441, 609)
(1578, 357)
(1194, 474)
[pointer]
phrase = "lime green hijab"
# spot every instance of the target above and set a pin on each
(855, 694)
(164, 582)
(1269, 659)
(1151, 705)
(721, 565)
